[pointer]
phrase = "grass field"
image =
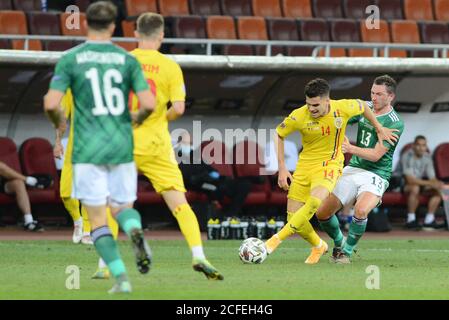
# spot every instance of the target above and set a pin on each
(409, 269)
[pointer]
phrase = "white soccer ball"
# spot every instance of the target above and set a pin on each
(253, 250)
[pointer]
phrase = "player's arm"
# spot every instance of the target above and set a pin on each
(52, 107)
(58, 149)
(147, 103)
(370, 154)
(382, 132)
(176, 110)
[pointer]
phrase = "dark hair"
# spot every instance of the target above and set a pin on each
(317, 88)
(419, 137)
(388, 82)
(149, 23)
(100, 15)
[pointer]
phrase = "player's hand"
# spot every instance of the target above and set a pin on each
(346, 146)
(388, 135)
(58, 150)
(283, 177)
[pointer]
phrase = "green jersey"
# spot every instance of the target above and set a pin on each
(100, 76)
(367, 138)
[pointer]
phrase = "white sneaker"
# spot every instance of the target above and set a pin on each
(86, 239)
(77, 233)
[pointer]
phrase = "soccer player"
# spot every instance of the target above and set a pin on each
(366, 177)
(100, 76)
(322, 124)
(153, 151)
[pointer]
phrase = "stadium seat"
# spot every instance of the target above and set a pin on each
(188, 27)
(327, 9)
(441, 10)
(36, 157)
(5, 44)
(282, 29)
(418, 10)
(381, 35)
(128, 28)
(434, 32)
(9, 156)
(205, 7)
(266, 8)
(296, 8)
(173, 7)
(390, 9)
(406, 31)
(317, 30)
(27, 5)
(217, 150)
(76, 32)
(223, 27)
(44, 23)
(243, 152)
(136, 7)
(355, 9)
(252, 28)
(441, 161)
(14, 22)
(344, 30)
(6, 5)
(236, 7)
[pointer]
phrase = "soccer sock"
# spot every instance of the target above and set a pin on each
(73, 207)
(332, 227)
(411, 217)
(129, 219)
(299, 222)
(430, 217)
(356, 230)
(108, 250)
(189, 225)
(112, 224)
(86, 222)
(27, 218)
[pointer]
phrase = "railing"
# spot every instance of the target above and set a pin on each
(316, 45)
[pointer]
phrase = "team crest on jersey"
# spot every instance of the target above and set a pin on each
(338, 122)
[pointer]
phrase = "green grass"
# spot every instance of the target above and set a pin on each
(409, 269)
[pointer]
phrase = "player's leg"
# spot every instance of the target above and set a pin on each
(292, 207)
(86, 238)
(329, 221)
(17, 187)
(91, 187)
(122, 184)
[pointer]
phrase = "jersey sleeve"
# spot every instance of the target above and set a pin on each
(62, 75)
(289, 125)
(138, 81)
(395, 125)
(353, 107)
(177, 89)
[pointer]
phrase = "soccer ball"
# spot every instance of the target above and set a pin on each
(253, 250)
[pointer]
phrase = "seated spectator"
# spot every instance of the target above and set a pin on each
(13, 183)
(204, 178)
(419, 174)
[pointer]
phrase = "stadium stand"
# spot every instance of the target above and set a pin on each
(355, 9)
(15, 23)
(36, 157)
(344, 30)
(66, 31)
(406, 31)
(267, 8)
(296, 8)
(316, 30)
(282, 29)
(136, 7)
(441, 161)
(418, 10)
(27, 5)
(173, 7)
(390, 9)
(441, 10)
(236, 7)
(6, 5)
(327, 8)
(205, 7)
(9, 156)
(253, 28)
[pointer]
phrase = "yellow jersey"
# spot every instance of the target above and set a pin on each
(167, 83)
(321, 137)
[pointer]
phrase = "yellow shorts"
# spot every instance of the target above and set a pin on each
(65, 188)
(306, 178)
(162, 170)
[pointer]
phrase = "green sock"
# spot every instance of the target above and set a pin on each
(107, 249)
(129, 219)
(356, 230)
(332, 227)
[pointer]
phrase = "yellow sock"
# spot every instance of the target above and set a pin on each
(112, 224)
(298, 222)
(86, 222)
(73, 207)
(188, 224)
